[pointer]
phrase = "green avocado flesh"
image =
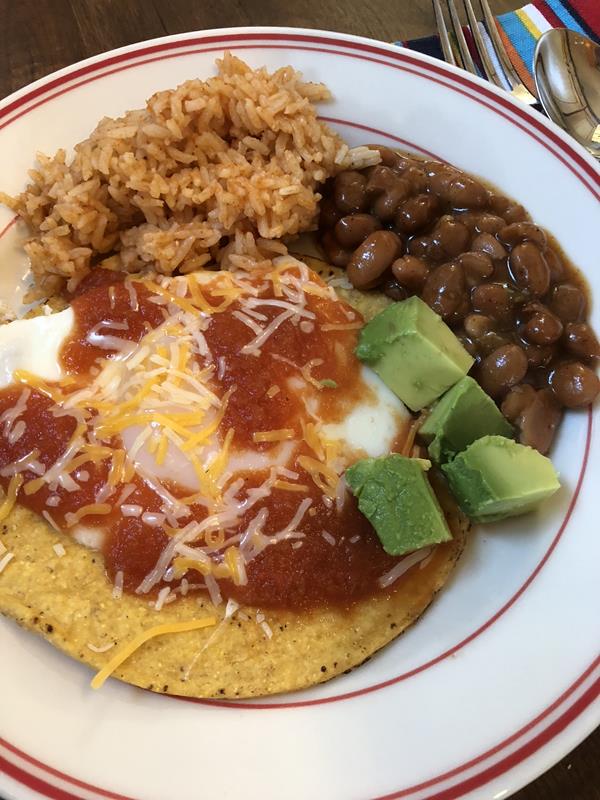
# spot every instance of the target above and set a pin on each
(413, 351)
(395, 496)
(495, 478)
(463, 415)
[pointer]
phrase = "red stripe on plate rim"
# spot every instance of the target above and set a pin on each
(442, 71)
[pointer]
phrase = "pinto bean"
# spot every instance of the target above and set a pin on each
(574, 384)
(410, 272)
(449, 239)
(529, 268)
(477, 267)
(581, 340)
(539, 420)
(336, 254)
(486, 243)
(352, 230)
(492, 299)
(543, 327)
(489, 223)
(380, 180)
(445, 291)
(417, 179)
(420, 246)
(349, 192)
(372, 259)
(439, 177)
(567, 302)
(477, 325)
(386, 204)
(539, 355)
(517, 400)
(502, 369)
(517, 232)
(465, 192)
(416, 213)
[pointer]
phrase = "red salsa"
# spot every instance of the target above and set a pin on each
(336, 560)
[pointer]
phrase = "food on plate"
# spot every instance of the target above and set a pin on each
(497, 279)
(463, 415)
(193, 432)
(395, 496)
(213, 172)
(414, 352)
(496, 477)
(213, 482)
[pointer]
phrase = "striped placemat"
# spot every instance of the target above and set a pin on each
(521, 29)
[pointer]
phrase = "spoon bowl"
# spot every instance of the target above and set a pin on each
(567, 77)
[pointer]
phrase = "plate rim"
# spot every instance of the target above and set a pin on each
(287, 36)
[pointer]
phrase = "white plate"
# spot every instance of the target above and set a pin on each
(501, 677)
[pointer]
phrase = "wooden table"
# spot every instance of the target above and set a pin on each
(39, 36)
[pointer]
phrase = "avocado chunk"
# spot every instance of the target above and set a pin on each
(463, 415)
(413, 351)
(395, 496)
(495, 478)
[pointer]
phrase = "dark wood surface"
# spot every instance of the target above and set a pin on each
(39, 36)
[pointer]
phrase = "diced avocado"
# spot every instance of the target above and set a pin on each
(496, 478)
(463, 415)
(413, 351)
(395, 496)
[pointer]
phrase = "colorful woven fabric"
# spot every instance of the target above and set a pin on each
(521, 29)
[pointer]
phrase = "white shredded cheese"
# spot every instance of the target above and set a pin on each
(103, 649)
(403, 566)
(162, 597)
(5, 561)
(328, 538)
(117, 591)
(131, 510)
(46, 515)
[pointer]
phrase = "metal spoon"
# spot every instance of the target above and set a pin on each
(566, 67)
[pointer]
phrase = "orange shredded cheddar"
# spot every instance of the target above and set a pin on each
(161, 450)
(273, 436)
(93, 509)
(130, 648)
(10, 499)
(286, 486)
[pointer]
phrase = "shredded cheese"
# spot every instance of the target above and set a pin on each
(5, 561)
(141, 639)
(29, 379)
(103, 649)
(286, 486)
(164, 386)
(273, 436)
(10, 499)
(348, 326)
(324, 476)
(92, 509)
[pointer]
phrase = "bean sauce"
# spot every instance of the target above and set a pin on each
(412, 226)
